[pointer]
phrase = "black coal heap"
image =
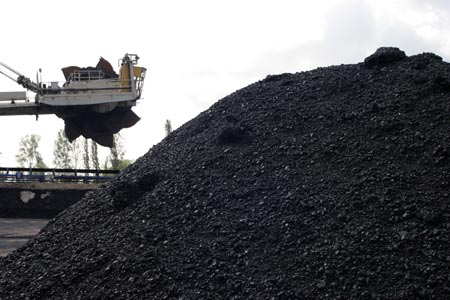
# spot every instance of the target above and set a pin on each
(327, 184)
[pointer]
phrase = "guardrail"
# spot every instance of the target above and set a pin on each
(55, 175)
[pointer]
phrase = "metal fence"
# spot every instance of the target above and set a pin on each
(55, 175)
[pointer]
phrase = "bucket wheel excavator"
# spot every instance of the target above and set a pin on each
(94, 102)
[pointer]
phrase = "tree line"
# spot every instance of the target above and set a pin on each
(81, 153)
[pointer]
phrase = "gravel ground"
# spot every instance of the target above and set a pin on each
(327, 184)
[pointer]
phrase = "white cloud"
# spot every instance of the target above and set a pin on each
(352, 31)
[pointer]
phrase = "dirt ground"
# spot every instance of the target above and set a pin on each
(16, 232)
(49, 185)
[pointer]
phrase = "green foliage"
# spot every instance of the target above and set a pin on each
(62, 151)
(116, 160)
(28, 154)
(40, 164)
(124, 163)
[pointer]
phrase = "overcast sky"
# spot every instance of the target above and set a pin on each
(198, 51)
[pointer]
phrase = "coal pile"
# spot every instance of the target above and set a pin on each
(327, 184)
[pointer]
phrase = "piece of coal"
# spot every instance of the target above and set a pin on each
(384, 56)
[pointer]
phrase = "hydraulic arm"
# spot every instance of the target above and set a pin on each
(21, 79)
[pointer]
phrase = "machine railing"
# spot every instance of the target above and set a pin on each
(55, 175)
(139, 82)
(79, 75)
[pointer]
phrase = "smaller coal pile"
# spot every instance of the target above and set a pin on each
(328, 184)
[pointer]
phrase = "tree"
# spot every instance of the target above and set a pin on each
(105, 164)
(86, 153)
(76, 153)
(62, 151)
(168, 127)
(115, 159)
(28, 154)
(117, 152)
(94, 155)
